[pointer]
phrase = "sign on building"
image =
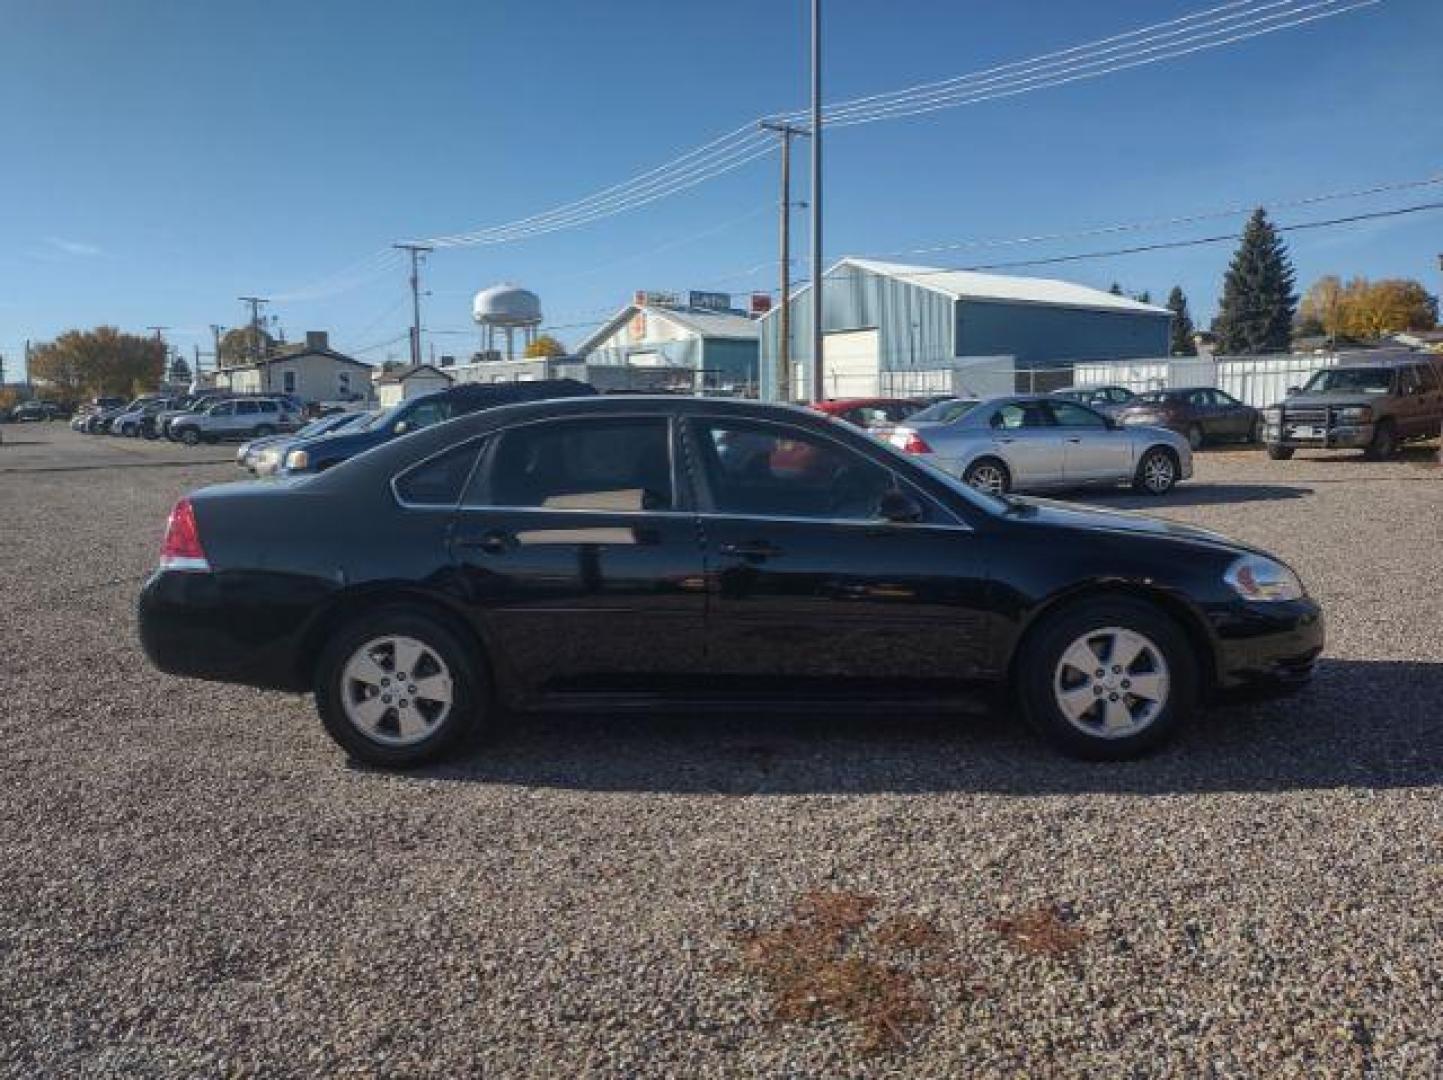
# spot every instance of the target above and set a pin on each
(709, 301)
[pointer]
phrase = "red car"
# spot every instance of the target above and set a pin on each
(870, 412)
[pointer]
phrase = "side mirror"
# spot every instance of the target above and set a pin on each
(1294, 390)
(899, 507)
(401, 427)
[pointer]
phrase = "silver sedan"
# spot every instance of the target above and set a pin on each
(1038, 442)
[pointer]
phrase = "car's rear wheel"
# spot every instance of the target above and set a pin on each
(190, 436)
(1156, 472)
(1385, 442)
(1108, 679)
(396, 688)
(1194, 436)
(989, 475)
(1280, 453)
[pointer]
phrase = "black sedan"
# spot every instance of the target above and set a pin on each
(637, 551)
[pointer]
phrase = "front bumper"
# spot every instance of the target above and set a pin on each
(1328, 434)
(1276, 644)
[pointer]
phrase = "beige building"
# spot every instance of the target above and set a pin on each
(315, 373)
(406, 383)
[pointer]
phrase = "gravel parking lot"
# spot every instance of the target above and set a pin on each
(193, 881)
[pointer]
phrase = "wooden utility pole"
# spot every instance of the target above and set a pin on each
(784, 317)
(416, 250)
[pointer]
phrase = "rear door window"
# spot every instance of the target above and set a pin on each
(439, 481)
(247, 408)
(1021, 415)
(1076, 416)
(620, 464)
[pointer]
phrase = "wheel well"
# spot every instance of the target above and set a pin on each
(352, 605)
(993, 458)
(1187, 619)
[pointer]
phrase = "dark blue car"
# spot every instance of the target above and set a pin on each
(319, 454)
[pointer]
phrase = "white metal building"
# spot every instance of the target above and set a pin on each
(408, 382)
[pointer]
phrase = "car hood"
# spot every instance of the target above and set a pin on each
(1055, 513)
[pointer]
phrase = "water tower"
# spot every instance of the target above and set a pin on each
(507, 308)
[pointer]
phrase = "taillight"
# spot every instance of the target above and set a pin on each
(908, 441)
(181, 548)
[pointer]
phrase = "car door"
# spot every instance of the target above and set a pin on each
(1414, 407)
(810, 590)
(1024, 436)
(1235, 420)
(221, 419)
(580, 555)
(243, 420)
(1093, 450)
(1204, 412)
(1430, 400)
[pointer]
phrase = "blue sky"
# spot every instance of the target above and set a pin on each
(161, 158)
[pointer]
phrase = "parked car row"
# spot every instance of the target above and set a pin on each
(34, 411)
(681, 551)
(207, 417)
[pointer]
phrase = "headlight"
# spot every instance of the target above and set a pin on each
(1356, 414)
(298, 460)
(1254, 577)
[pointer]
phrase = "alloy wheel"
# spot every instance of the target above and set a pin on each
(1111, 683)
(988, 478)
(1158, 472)
(396, 690)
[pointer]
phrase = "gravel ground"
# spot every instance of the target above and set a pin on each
(192, 880)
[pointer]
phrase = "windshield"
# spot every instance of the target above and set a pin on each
(384, 417)
(944, 412)
(1351, 381)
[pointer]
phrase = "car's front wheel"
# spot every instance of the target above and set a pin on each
(1107, 679)
(1156, 472)
(190, 436)
(1385, 442)
(1279, 453)
(397, 688)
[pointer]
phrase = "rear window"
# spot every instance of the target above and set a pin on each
(621, 464)
(944, 412)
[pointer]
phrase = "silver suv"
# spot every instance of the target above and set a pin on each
(239, 418)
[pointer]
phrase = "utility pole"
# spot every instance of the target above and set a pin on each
(416, 250)
(784, 317)
(255, 302)
(818, 392)
(216, 329)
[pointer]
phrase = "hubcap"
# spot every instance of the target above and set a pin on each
(1157, 472)
(396, 690)
(1111, 683)
(989, 478)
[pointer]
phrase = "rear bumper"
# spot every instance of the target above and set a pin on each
(237, 628)
(1260, 645)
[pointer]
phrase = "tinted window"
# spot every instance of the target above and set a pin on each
(266, 406)
(1075, 416)
(438, 482)
(945, 411)
(1225, 399)
(621, 464)
(1351, 381)
(1428, 377)
(1018, 415)
(247, 408)
(223, 410)
(774, 471)
(426, 414)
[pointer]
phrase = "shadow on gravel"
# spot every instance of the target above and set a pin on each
(1360, 724)
(1200, 495)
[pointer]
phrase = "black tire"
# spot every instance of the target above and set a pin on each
(1255, 433)
(1040, 662)
(1150, 473)
(1385, 442)
(264, 431)
(150, 434)
(190, 436)
(1194, 437)
(468, 683)
(972, 475)
(130, 431)
(1280, 453)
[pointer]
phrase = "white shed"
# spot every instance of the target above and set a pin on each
(410, 382)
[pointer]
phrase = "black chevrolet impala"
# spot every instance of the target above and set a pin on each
(601, 552)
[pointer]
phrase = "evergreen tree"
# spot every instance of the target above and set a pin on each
(1255, 314)
(1144, 297)
(1182, 328)
(1115, 289)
